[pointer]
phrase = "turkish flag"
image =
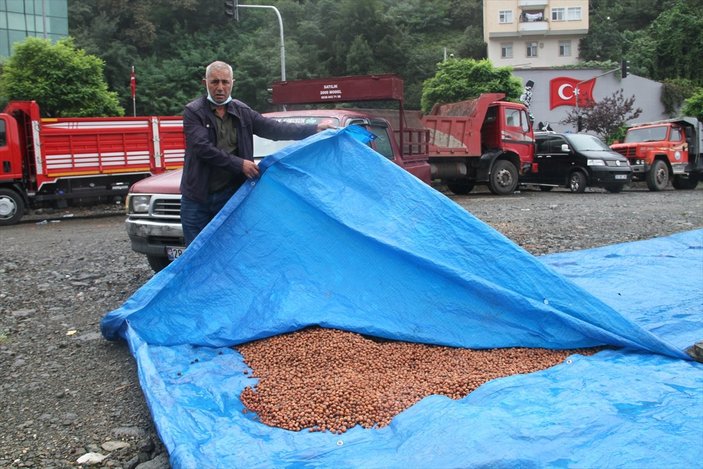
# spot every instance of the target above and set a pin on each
(562, 92)
(133, 83)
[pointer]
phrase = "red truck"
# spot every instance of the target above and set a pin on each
(479, 141)
(56, 160)
(663, 151)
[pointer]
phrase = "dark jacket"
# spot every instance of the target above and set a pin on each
(202, 153)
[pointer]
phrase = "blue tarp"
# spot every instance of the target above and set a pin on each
(334, 235)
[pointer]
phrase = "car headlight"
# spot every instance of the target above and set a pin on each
(139, 203)
(591, 162)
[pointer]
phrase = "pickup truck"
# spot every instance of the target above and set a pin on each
(153, 205)
(576, 161)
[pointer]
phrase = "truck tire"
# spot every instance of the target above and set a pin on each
(614, 188)
(504, 178)
(11, 207)
(658, 176)
(157, 263)
(685, 183)
(577, 182)
(460, 187)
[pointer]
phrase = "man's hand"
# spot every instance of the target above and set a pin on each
(250, 169)
(324, 126)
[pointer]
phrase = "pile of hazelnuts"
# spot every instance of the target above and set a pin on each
(319, 379)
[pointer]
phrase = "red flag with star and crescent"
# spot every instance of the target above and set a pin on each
(562, 92)
(133, 83)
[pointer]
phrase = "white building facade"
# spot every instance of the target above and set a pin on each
(537, 33)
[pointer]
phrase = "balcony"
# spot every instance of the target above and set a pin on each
(533, 22)
(532, 3)
(535, 27)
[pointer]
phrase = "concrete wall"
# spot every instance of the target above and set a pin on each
(647, 94)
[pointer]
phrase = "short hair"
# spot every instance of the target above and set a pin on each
(218, 65)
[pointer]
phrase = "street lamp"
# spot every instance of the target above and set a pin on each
(231, 7)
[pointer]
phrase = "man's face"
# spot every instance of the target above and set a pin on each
(219, 84)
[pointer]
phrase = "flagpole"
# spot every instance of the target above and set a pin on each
(133, 87)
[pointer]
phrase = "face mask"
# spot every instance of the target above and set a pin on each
(209, 98)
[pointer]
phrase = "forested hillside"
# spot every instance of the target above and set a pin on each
(170, 41)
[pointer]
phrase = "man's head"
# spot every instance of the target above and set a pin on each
(219, 81)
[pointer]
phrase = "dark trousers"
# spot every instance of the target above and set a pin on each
(196, 215)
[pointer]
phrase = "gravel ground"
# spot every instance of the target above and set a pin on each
(67, 392)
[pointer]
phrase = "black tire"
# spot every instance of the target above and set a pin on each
(504, 178)
(658, 176)
(577, 182)
(614, 188)
(685, 183)
(460, 187)
(11, 207)
(546, 188)
(157, 263)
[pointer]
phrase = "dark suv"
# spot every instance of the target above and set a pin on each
(576, 161)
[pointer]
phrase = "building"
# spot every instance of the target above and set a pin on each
(534, 33)
(20, 19)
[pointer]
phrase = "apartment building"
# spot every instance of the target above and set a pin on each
(534, 33)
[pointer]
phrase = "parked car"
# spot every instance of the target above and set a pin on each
(576, 161)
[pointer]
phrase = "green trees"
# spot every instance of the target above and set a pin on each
(65, 81)
(460, 79)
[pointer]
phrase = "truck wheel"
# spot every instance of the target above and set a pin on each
(11, 207)
(504, 178)
(157, 263)
(658, 176)
(460, 187)
(685, 183)
(577, 182)
(614, 188)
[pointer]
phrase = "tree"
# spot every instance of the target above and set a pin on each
(606, 117)
(64, 81)
(460, 79)
(693, 106)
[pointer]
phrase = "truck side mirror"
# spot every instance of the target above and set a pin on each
(565, 148)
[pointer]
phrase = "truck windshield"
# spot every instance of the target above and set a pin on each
(264, 147)
(582, 142)
(647, 134)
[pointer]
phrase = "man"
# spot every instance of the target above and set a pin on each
(219, 153)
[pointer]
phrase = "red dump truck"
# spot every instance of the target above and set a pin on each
(491, 142)
(664, 151)
(57, 160)
(479, 141)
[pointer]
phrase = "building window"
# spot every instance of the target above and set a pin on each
(532, 49)
(573, 14)
(506, 50)
(505, 16)
(558, 14)
(564, 48)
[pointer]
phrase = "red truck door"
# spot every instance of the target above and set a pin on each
(10, 155)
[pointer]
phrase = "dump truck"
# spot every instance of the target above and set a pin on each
(665, 151)
(480, 141)
(57, 161)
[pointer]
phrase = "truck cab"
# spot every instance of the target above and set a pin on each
(576, 161)
(153, 205)
(664, 150)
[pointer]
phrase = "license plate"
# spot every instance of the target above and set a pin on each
(172, 252)
(621, 176)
